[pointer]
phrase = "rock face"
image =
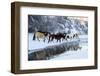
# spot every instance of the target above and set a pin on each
(51, 51)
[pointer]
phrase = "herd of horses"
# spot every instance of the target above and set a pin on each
(52, 36)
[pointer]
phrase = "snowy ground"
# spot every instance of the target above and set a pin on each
(79, 54)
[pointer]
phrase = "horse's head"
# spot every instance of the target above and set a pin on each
(65, 34)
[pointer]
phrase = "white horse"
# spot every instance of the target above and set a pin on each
(41, 36)
(73, 35)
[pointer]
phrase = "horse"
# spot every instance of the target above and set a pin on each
(68, 36)
(72, 36)
(57, 36)
(60, 36)
(76, 35)
(40, 35)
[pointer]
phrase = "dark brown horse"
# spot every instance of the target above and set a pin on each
(57, 36)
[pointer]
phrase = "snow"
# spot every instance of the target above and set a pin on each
(72, 54)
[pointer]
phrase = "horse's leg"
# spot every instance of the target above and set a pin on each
(38, 38)
(62, 39)
(44, 39)
(59, 40)
(52, 38)
(49, 39)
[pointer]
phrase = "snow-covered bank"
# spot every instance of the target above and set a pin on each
(71, 54)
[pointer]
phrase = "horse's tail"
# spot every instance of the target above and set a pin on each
(34, 37)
